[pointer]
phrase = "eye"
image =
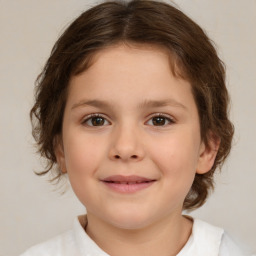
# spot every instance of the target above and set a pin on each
(160, 120)
(95, 120)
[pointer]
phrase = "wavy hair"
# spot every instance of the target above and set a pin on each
(139, 22)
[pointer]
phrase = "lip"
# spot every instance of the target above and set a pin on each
(127, 184)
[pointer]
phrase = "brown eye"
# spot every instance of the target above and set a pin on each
(96, 121)
(160, 120)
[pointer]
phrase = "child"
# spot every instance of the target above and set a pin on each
(132, 105)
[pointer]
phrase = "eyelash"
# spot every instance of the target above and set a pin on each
(89, 117)
(166, 117)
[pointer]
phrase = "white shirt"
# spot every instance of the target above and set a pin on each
(205, 240)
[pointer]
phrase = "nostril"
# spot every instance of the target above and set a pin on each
(133, 157)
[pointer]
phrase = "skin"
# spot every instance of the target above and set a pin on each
(127, 142)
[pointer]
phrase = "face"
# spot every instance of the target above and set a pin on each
(131, 137)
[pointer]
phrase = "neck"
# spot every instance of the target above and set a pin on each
(165, 237)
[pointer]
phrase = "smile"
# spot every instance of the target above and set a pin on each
(127, 184)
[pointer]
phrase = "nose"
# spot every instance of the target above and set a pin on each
(126, 145)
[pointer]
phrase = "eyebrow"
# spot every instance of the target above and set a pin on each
(161, 103)
(145, 104)
(93, 103)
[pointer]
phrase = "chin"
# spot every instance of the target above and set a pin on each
(130, 220)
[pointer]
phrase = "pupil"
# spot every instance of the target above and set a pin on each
(96, 121)
(158, 121)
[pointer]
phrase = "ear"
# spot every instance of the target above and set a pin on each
(208, 154)
(59, 153)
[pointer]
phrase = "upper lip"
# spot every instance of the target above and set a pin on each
(127, 179)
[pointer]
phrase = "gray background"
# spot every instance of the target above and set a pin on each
(31, 209)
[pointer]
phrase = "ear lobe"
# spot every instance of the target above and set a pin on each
(208, 154)
(60, 155)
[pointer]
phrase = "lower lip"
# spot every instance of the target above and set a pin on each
(128, 188)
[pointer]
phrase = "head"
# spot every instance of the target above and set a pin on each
(147, 24)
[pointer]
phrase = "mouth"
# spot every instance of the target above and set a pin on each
(127, 184)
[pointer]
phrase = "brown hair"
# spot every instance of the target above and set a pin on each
(143, 22)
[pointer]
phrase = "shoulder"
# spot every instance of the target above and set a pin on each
(216, 237)
(207, 238)
(229, 248)
(58, 246)
(210, 240)
(73, 242)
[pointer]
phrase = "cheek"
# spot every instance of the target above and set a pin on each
(82, 154)
(176, 157)
(82, 158)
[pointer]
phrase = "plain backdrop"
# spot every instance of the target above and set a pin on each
(32, 210)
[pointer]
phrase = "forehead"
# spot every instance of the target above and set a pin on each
(129, 73)
(131, 61)
(133, 48)
(113, 55)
